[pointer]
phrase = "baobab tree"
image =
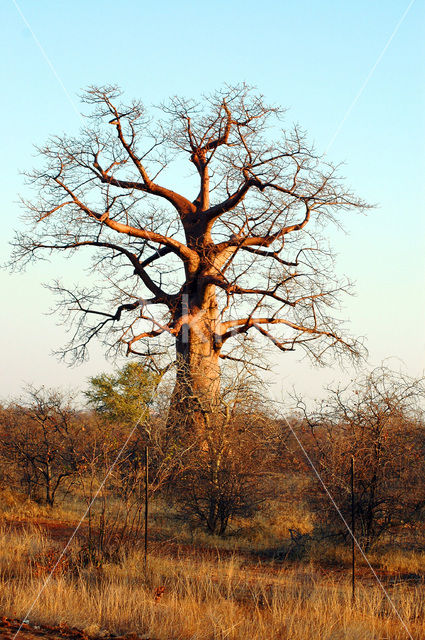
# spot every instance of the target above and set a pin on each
(243, 254)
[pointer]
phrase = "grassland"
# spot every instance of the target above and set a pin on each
(191, 592)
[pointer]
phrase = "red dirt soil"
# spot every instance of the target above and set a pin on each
(9, 628)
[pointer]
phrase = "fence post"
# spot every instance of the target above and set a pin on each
(353, 543)
(146, 503)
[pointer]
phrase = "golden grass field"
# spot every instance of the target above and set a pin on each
(194, 595)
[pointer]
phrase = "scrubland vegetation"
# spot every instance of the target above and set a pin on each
(202, 598)
(243, 540)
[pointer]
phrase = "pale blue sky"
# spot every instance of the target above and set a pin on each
(311, 57)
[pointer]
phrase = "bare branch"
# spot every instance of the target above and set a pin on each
(248, 252)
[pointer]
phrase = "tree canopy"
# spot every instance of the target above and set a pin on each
(199, 264)
(124, 396)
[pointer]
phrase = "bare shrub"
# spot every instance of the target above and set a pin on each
(379, 422)
(227, 474)
(39, 439)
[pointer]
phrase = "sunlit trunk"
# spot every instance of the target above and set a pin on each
(196, 392)
(197, 388)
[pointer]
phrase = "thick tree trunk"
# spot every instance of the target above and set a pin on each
(196, 394)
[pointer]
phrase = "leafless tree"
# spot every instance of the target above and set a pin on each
(379, 421)
(39, 440)
(233, 471)
(198, 274)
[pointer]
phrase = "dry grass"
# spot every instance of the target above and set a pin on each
(202, 599)
(15, 506)
(403, 561)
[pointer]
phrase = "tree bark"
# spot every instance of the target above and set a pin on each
(197, 388)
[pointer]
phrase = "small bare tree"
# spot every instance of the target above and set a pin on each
(230, 474)
(379, 421)
(243, 254)
(39, 437)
